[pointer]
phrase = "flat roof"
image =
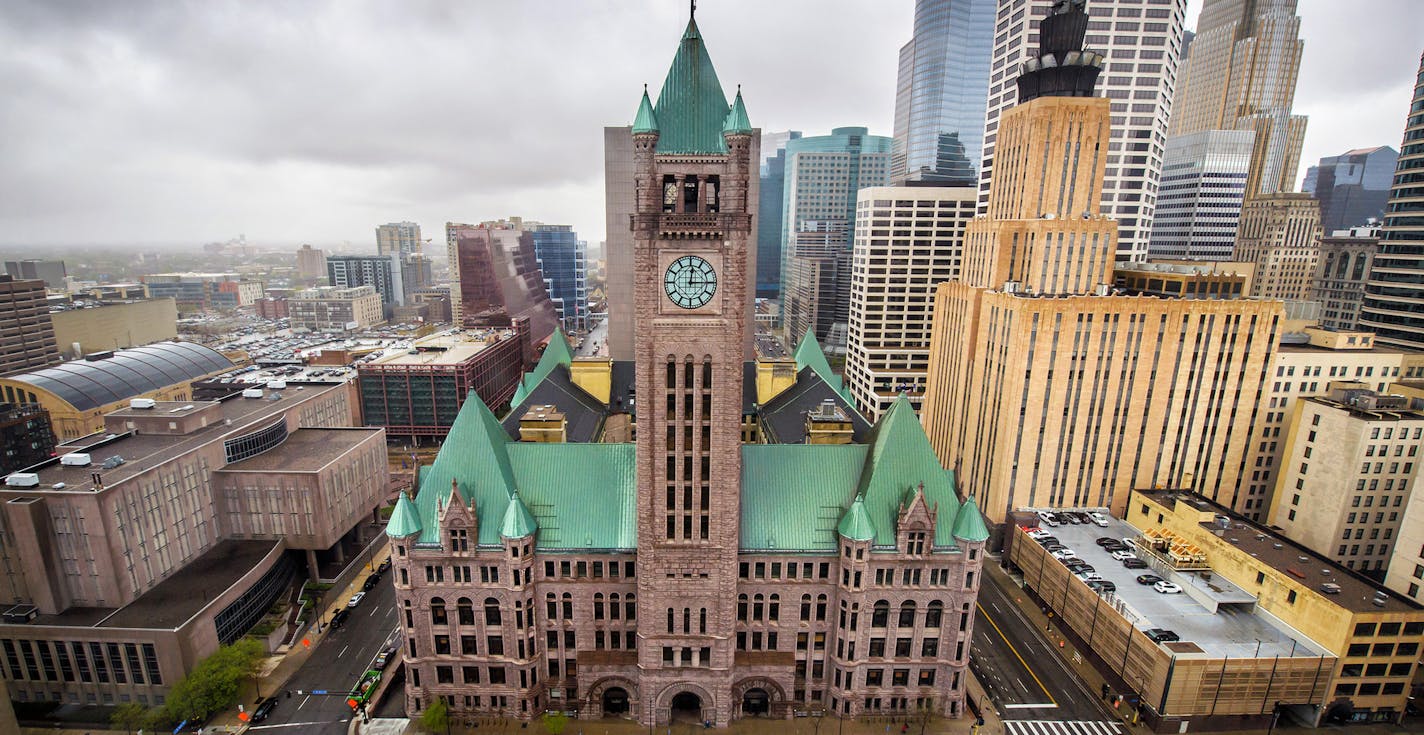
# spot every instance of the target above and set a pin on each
(198, 583)
(1284, 555)
(447, 349)
(165, 408)
(1234, 629)
(1374, 349)
(305, 450)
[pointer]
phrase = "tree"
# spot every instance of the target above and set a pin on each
(554, 722)
(436, 716)
(129, 716)
(216, 682)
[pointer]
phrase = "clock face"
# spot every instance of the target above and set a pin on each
(690, 282)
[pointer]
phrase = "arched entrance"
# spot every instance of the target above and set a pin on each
(615, 702)
(686, 707)
(756, 702)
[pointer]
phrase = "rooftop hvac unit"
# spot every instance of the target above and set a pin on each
(252, 393)
(276, 384)
(142, 403)
(75, 459)
(22, 479)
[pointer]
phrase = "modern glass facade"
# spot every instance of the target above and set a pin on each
(563, 258)
(1202, 191)
(942, 92)
(383, 272)
(770, 195)
(1352, 187)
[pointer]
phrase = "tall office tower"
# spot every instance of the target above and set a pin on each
(311, 262)
(773, 189)
(1199, 200)
(498, 279)
(1241, 76)
(618, 242)
(26, 332)
(908, 240)
(398, 238)
(383, 272)
(1352, 187)
(1280, 233)
(52, 272)
(1142, 44)
(563, 259)
(1394, 296)
(417, 273)
(942, 91)
(1339, 283)
(1043, 390)
(817, 283)
(823, 174)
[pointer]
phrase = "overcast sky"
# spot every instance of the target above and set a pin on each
(162, 123)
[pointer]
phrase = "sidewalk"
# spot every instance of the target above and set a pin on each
(879, 725)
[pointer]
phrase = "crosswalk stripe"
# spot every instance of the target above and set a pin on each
(1062, 727)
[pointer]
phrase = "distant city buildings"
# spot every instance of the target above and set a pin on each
(498, 280)
(619, 205)
(816, 282)
(335, 308)
(1340, 274)
(26, 331)
(202, 291)
(85, 327)
(771, 198)
(941, 93)
(52, 272)
(1201, 194)
(1280, 234)
(1352, 187)
(1394, 296)
(417, 272)
(311, 263)
(381, 272)
(398, 238)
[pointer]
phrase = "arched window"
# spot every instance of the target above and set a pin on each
(552, 603)
(492, 616)
(774, 610)
(880, 616)
(598, 606)
(466, 610)
(1359, 267)
(758, 607)
(437, 611)
(568, 601)
(687, 620)
(742, 607)
(687, 374)
(1343, 266)
(933, 614)
(907, 614)
(805, 608)
(613, 610)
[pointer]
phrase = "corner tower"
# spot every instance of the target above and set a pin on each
(695, 159)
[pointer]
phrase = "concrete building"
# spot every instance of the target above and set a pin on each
(816, 283)
(908, 240)
(499, 281)
(1350, 467)
(200, 291)
(684, 576)
(398, 238)
(381, 272)
(26, 437)
(417, 272)
(418, 393)
(271, 308)
(1394, 301)
(771, 197)
(1241, 75)
(1280, 234)
(618, 242)
(84, 327)
(1141, 46)
(1185, 280)
(563, 261)
(52, 272)
(1339, 283)
(942, 91)
(1352, 187)
(332, 308)
(1046, 390)
(438, 300)
(1201, 194)
(1372, 635)
(128, 572)
(26, 330)
(311, 263)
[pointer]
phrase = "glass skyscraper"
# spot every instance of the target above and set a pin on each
(942, 92)
(773, 186)
(563, 260)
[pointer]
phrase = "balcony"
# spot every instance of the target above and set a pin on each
(690, 226)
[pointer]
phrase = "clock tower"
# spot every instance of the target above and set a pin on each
(695, 162)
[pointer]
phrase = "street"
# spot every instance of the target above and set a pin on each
(335, 665)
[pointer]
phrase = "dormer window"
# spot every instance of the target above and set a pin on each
(459, 540)
(915, 543)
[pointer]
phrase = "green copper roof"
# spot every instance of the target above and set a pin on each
(969, 526)
(475, 455)
(737, 120)
(518, 521)
(555, 353)
(646, 121)
(405, 520)
(793, 495)
(691, 106)
(856, 524)
(809, 355)
(900, 460)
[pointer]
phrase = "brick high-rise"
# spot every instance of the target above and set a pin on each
(758, 549)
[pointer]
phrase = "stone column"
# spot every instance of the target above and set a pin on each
(679, 206)
(701, 193)
(313, 570)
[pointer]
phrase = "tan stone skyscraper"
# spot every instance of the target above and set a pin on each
(1280, 233)
(1240, 74)
(1046, 390)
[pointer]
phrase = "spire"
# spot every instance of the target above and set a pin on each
(645, 121)
(737, 121)
(809, 355)
(856, 524)
(969, 524)
(405, 521)
(518, 521)
(691, 107)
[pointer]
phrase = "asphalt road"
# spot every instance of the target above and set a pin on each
(1004, 643)
(336, 664)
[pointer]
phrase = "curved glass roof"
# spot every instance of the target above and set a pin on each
(90, 383)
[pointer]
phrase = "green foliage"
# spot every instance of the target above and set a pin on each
(386, 511)
(437, 716)
(554, 722)
(215, 683)
(129, 716)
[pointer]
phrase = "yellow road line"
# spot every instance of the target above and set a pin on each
(1027, 668)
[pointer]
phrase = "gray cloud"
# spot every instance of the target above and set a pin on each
(182, 122)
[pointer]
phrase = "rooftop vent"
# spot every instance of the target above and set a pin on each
(1278, 545)
(1303, 558)
(141, 403)
(75, 459)
(22, 479)
(1330, 588)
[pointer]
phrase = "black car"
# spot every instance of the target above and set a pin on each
(1055, 546)
(384, 566)
(263, 709)
(1162, 635)
(370, 582)
(339, 619)
(1102, 585)
(1146, 579)
(1046, 540)
(1106, 541)
(1134, 563)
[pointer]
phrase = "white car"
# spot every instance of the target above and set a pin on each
(356, 599)
(1062, 554)
(1099, 519)
(1123, 555)
(1048, 519)
(1167, 588)
(1037, 533)
(1090, 577)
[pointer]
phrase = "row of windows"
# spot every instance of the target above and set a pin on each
(120, 663)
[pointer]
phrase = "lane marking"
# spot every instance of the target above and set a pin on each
(343, 649)
(1015, 651)
(293, 724)
(304, 701)
(1029, 706)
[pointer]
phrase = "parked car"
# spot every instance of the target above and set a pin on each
(264, 709)
(384, 658)
(1055, 546)
(1162, 635)
(1069, 517)
(1106, 541)
(1046, 540)
(1145, 579)
(1048, 519)
(1090, 576)
(1099, 519)
(1078, 566)
(1134, 563)
(370, 582)
(1037, 533)
(339, 619)
(384, 566)
(1064, 553)
(1167, 588)
(1115, 546)
(1102, 585)
(1123, 555)
(1082, 517)
(356, 599)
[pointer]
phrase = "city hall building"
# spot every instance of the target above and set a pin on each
(744, 543)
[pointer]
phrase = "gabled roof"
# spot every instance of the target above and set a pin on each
(583, 414)
(405, 520)
(783, 418)
(646, 120)
(809, 355)
(691, 106)
(969, 524)
(900, 459)
(737, 121)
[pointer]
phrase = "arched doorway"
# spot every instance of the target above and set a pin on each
(686, 707)
(756, 702)
(615, 702)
